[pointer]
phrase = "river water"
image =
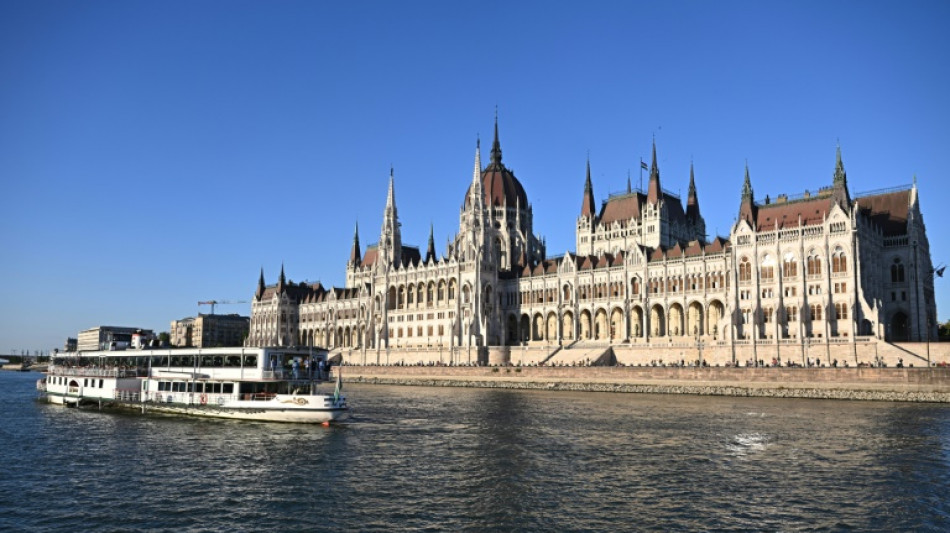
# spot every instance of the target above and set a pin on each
(444, 459)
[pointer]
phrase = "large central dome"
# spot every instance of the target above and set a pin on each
(500, 185)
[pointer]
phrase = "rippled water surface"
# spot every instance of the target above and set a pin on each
(478, 459)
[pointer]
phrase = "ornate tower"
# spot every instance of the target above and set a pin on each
(587, 219)
(693, 217)
(655, 220)
(390, 241)
(747, 209)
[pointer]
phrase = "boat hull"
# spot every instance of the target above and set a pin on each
(294, 416)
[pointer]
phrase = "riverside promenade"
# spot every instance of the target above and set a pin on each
(873, 384)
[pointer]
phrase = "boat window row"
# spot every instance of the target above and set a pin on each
(86, 382)
(190, 361)
(196, 386)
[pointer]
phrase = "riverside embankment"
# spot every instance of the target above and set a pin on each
(876, 384)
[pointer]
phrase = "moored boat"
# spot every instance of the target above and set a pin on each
(266, 384)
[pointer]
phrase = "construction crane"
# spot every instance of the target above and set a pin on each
(213, 303)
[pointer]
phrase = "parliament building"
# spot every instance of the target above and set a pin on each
(821, 273)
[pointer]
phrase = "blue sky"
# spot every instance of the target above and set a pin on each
(154, 154)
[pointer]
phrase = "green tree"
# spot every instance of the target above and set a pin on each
(944, 331)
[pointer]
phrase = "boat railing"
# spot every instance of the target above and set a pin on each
(189, 398)
(127, 395)
(301, 375)
(96, 371)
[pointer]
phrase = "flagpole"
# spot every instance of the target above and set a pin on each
(641, 174)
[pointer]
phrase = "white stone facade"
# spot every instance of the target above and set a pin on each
(823, 268)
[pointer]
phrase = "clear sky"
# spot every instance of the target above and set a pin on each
(154, 154)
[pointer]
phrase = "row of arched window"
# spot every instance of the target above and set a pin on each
(422, 294)
(813, 268)
(837, 312)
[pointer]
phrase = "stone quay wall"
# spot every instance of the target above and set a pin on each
(878, 384)
(866, 352)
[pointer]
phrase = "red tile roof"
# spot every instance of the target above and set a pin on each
(888, 211)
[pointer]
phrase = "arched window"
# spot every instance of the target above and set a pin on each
(841, 311)
(789, 266)
(816, 312)
(839, 262)
(791, 313)
(897, 271)
(814, 265)
(768, 268)
(745, 269)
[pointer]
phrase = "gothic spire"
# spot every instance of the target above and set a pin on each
(282, 281)
(260, 286)
(840, 175)
(496, 145)
(355, 251)
(391, 194)
(747, 186)
(692, 201)
(588, 208)
(654, 191)
(390, 241)
(430, 251)
(747, 209)
(841, 195)
(478, 193)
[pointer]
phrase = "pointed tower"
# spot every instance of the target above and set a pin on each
(654, 191)
(841, 196)
(588, 209)
(747, 209)
(390, 241)
(430, 250)
(584, 234)
(477, 198)
(693, 217)
(496, 144)
(282, 281)
(692, 202)
(260, 287)
(355, 255)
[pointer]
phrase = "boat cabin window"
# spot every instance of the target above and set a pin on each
(250, 361)
(227, 388)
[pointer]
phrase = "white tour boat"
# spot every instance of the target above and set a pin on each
(267, 384)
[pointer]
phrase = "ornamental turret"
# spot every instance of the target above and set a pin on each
(747, 209)
(390, 241)
(841, 196)
(588, 207)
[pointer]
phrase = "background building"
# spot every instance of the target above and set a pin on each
(109, 337)
(205, 331)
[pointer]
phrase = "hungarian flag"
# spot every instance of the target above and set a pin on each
(644, 165)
